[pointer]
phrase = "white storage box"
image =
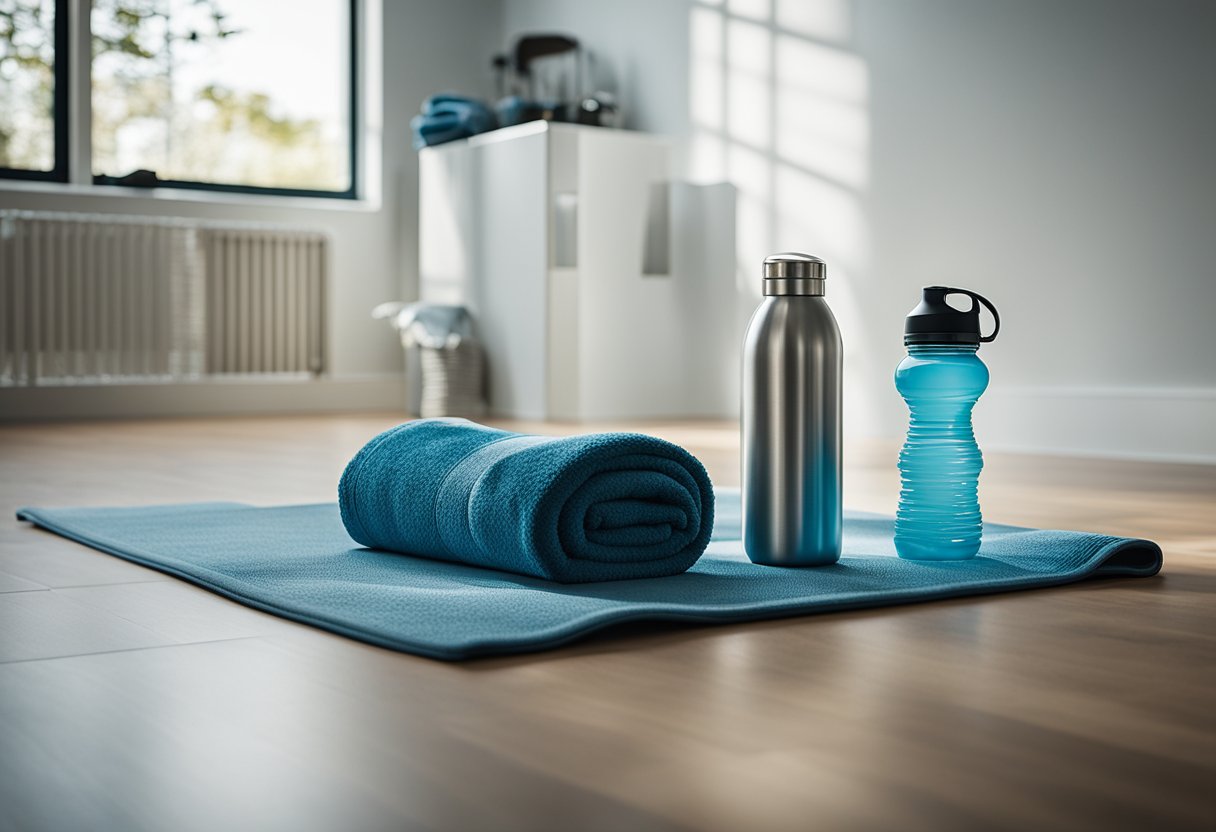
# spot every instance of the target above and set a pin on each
(600, 289)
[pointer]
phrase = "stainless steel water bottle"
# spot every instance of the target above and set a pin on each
(791, 419)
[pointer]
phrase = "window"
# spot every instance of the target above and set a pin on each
(235, 95)
(33, 90)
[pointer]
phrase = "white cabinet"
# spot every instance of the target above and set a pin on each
(601, 289)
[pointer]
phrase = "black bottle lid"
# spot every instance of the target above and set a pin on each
(934, 321)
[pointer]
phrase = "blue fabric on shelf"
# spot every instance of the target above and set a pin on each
(446, 117)
(599, 507)
(298, 562)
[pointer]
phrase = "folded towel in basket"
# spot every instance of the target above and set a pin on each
(609, 506)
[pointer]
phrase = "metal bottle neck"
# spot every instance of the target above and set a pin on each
(793, 286)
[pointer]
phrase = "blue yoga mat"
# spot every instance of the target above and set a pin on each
(298, 562)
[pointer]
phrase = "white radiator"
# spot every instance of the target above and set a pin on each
(96, 299)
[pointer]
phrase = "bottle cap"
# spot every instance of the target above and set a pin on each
(793, 273)
(934, 321)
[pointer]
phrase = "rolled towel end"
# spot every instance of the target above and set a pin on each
(600, 507)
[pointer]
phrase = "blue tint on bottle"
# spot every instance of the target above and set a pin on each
(939, 466)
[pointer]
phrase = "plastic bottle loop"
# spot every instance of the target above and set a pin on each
(976, 300)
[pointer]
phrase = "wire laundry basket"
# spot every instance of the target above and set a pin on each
(452, 360)
(453, 380)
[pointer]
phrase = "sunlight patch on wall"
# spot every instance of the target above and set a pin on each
(830, 72)
(753, 240)
(809, 208)
(706, 91)
(753, 9)
(751, 172)
(707, 158)
(822, 136)
(823, 122)
(823, 19)
(748, 47)
(784, 117)
(748, 82)
(705, 29)
(749, 109)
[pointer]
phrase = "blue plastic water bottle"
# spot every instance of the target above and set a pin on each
(939, 466)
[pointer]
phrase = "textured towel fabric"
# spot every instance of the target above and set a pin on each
(298, 562)
(602, 507)
(447, 117)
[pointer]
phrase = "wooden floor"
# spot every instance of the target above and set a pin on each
(129, 700)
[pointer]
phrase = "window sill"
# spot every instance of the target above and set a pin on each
(171, 196)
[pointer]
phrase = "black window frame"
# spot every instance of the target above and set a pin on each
(352, 190)
(62, 127)
(59, 110)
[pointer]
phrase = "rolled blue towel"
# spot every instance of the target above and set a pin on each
(603, 507)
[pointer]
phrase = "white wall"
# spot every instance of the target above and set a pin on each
(1056, 157)
(427, 46)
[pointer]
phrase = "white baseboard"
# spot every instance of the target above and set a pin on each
(208, 397)
(1154, 423)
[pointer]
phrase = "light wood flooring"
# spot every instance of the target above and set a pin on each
(133, 701)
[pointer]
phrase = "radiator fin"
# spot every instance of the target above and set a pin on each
(96, 299)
